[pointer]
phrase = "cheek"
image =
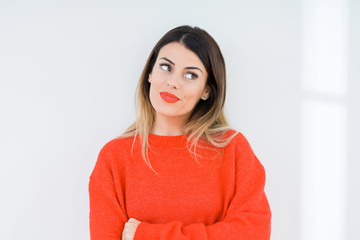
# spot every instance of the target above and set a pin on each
(192, 95)
(156, 84)
(152, 92)
(157, 80)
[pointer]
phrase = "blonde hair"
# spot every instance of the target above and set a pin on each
(207, 121)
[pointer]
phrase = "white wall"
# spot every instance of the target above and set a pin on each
(68, 72)
(353, 101)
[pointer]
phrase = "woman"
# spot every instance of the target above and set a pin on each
(179, 171)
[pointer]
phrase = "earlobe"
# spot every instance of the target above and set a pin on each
(206, 93)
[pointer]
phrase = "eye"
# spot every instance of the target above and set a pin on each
(191, 75)
(165, 67)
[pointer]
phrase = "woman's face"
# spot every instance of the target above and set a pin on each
(177, 81)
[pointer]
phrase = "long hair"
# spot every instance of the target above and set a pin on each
(207, 121)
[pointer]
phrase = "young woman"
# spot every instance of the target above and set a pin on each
(179, 171)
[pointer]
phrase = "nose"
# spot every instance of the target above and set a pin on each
(173, 82)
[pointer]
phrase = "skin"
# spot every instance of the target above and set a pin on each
(130, 229)
(187, 84)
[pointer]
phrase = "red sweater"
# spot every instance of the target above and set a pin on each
(187, 201)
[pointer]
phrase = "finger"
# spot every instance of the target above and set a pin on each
(123, 236)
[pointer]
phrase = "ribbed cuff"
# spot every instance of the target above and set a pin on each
(148, 231)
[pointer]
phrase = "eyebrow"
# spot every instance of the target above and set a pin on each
(174, 64)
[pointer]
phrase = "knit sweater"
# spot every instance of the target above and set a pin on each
(219, 195)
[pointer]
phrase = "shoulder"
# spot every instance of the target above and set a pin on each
(112, 154)
(241, 146)
(117, 144)
(238, 138)
(115, 149)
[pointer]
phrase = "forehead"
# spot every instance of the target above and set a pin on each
(179, 54)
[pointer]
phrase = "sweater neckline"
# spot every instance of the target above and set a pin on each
(161, 140)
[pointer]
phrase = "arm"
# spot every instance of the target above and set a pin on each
(107, 211)
(248, 215)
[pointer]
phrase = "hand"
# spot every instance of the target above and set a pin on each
(130, 229)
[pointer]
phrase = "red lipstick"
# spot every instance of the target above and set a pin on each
(168, 97)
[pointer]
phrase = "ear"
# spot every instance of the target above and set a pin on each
(149, 78)
(206, 92)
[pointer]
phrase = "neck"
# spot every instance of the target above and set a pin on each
(168, 126)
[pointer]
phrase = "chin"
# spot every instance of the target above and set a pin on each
(169, 113)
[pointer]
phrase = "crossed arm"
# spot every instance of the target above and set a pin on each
(248, 215)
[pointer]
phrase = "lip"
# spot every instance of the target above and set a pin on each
(168, 97)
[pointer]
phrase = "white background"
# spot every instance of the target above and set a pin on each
(68, 72)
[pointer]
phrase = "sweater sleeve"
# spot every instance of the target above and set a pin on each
(107, 212)
(248, 215)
